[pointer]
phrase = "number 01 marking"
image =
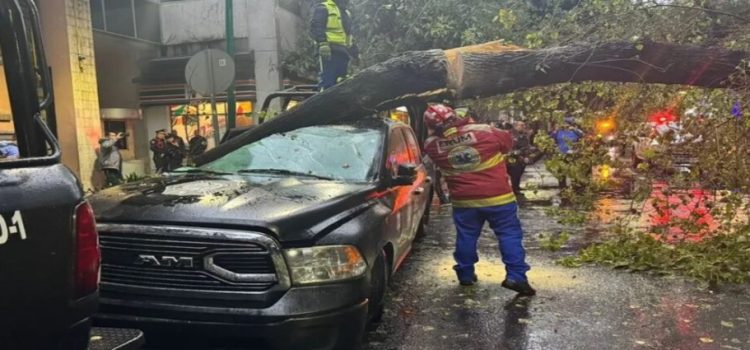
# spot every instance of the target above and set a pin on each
(16, 227)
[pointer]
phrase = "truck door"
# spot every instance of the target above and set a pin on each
(421, 188)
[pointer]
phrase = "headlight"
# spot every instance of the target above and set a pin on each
(324, 264)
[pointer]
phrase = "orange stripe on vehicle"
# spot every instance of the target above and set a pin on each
(404, 193)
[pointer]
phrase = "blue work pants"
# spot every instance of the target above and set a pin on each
(332, 69)
(504, 222)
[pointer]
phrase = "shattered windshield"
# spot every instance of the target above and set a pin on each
(336, 152)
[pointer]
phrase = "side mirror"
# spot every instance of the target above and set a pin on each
(405, 175)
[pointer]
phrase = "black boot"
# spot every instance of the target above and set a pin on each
(522, 288)
(465, 281)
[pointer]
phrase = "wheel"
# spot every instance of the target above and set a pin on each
(378, 285)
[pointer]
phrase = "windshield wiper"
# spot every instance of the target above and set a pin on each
(283, 172)
(198, 171)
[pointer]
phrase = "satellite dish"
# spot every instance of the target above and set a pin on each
(210, 71)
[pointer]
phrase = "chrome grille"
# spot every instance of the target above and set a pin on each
(244, 263)
(198, 260)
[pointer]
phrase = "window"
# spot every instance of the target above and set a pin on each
(147, 20)
(117, 126)
(413, 145)
(97, 14)
(119, 17)
(398, 152)
(134, 18)
(401, 114)
(338, 152)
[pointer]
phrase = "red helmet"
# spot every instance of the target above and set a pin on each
(441, 117)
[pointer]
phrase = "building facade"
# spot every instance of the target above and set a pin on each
(118, 65)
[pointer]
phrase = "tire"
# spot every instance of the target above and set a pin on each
(425, 219)
(378, 286)
(422, 228)
(428, 207)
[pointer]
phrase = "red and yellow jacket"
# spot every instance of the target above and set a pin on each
(472, 160)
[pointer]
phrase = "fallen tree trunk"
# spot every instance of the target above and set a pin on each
(493, 69)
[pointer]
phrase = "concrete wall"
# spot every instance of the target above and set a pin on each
(291, 27)
(200, 20)
(69, 46)
(203, 20)
(116, 66)
(267, 28)
(6, 127)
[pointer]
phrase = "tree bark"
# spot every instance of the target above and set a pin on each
(492, 69)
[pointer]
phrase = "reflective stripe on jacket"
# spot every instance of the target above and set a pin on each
(335, 32)
(473, 162)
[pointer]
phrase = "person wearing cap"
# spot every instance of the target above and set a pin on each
(158, 145)
(472, 159)
(566, 138)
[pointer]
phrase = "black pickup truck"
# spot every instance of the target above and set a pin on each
(291, 239)
(49, 253)
(49, 257)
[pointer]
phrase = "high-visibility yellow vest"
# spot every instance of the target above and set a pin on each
(335, 33)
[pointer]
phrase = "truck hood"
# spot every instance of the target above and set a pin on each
(291, 208)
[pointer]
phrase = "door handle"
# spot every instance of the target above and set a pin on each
(418, 190)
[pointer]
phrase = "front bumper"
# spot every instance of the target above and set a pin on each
(315, 316)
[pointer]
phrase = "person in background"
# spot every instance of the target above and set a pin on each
(158, 145)
(175, 153)
(180, 141)
(471, 156)
(566, 138)
(508, 126)
(521, 156)
(331, 28)
(198, 144)
(9, 150)
(110, 159)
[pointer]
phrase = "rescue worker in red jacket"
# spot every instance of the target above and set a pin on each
(472, 159)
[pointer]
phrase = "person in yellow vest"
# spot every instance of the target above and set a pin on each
(331, 28)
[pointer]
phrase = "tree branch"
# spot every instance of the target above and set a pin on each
(493, 69)
(696, 8)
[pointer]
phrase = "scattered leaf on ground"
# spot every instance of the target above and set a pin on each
(727, 324)
(706, 340)
(730, 347)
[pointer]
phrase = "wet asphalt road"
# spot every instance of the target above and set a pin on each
(584, 308)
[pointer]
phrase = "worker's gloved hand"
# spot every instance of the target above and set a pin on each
(325, 51)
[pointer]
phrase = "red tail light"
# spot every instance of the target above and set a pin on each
(88, 256)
